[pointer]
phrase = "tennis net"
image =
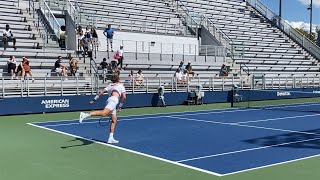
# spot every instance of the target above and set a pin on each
(281, 100)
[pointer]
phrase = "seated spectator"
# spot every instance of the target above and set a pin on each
(181, 66)
(189, 68)
(73, 62)
(60, 68)
(224, 71)
(131, 77)
(185, 76)
(25, 67)
(12, 66)
(178, 76)
(139, 78)
(8, 36)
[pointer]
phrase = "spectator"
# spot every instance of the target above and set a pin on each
(181, 66)
(80, 37)
(25, 66)
(178, 76)
(62, 40)
(108, 32)
(189, 68)
(131, 77)
(120, 60)
(12, 66)
(95, 39)
(185, 76)
(139, 78)
(60, 68)
(73, 62)
(87, 43)
(104, 67)
(224, 71)
(8, 36)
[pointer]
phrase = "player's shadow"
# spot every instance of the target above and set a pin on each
(305, 139)
(84, 143)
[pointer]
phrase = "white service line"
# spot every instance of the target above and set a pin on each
(245, 150)
(146, 118)
(242, 125)
(131, 151)
(209, 110)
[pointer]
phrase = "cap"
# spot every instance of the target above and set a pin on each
(121, 45)
(189, 62)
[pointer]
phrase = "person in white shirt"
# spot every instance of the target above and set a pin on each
(120, 60)
(139, 78)
(8, 36)
(178, 76)
(115, 91)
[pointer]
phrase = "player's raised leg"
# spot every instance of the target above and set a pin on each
(104, 112)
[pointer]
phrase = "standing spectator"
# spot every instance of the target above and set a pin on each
(95, 39)
(25, 65)
(189, 68)
(104, 67)
(80, 37)
(139, 78)
(181, 66)
(120, 60)
(108, 32)
(73, 62)
(12, 66)
(8, 36)
(60, 68)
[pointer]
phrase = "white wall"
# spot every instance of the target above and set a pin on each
(139, 42)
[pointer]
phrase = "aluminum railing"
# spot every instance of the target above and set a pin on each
(54, 24)
(57, 86)
(282, 24)
(266, 82)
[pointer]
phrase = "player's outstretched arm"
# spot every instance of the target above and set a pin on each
(100, 93)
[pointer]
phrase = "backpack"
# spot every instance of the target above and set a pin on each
(116, 55)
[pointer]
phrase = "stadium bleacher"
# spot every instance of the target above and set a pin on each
(259, 46)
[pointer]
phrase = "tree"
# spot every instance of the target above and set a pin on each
(307, 34)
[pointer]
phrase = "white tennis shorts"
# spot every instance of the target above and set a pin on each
(111, 104)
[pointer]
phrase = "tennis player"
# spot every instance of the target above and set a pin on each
(115, 91)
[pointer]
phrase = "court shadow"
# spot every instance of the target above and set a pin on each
(84, 143)
(304, 140)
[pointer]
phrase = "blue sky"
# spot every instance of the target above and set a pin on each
(296, 10)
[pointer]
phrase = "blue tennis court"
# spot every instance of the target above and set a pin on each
(219, 142)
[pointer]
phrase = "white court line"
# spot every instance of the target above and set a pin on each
(131, 151)
(212, 110)
(146, 118)
(271, 165)
(246, 150)
(274, 119)
(241, 125)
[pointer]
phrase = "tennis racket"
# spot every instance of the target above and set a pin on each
(104, 121)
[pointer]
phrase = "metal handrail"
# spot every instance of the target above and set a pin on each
(43, 6)
(282, 24)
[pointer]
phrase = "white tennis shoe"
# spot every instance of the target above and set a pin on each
(83, 116)
(112, 141)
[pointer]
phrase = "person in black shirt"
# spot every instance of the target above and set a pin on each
(60, 68)
(104, 66)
